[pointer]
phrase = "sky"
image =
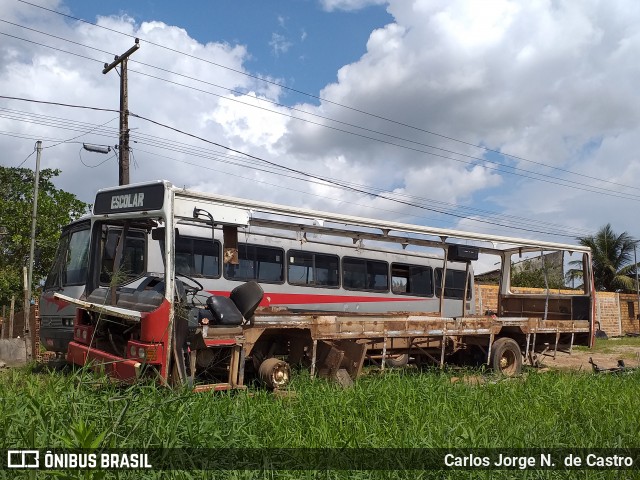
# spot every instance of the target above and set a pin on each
(505, 117)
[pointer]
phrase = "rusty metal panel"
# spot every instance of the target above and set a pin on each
(354, 354)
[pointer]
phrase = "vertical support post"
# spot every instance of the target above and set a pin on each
(34, 216)
(314, 353)
(444, 280)
(4, 321)
(635, 261)
(571, 344)
(384, 353)
(444, 345)
(533, 347)
(466, 286)
(233, 366)
(491, 337)
(555, 350)
(546, 286)
(241, 366)
(11, 313)
(26, 301)
(193, 357)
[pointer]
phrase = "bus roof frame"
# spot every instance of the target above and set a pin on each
(405, 233)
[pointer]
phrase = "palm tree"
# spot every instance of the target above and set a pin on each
(612, 258)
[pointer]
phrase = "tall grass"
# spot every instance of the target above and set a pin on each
(400, 409)
(610, 345)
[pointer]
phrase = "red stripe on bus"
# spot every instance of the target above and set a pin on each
(309, 298)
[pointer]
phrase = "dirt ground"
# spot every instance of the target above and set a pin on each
(607, 358)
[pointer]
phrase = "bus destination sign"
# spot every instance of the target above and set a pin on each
(134, 199)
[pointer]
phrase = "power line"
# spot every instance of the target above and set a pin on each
(359, 189)
(499, 167)
(192, 150)
(81, 135)
(341, 200)
(323, 99)
(59, 104)
(335, 183)
(28, 157)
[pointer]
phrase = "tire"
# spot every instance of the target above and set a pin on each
(274, 373)
(506, 357)
(397, 361)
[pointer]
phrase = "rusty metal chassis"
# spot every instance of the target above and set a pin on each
(342, 340)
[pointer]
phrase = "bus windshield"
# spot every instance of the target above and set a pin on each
(132, 262)
(71, 261)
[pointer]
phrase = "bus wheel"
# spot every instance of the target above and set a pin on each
(506, 357)
(274, 373)
(397, 361)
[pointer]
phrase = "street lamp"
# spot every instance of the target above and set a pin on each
(96, 148)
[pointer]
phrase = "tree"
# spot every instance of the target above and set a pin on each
(533, 274)
(612, 257)
(56, 208)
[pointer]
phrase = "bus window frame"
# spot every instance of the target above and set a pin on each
(64, 265)
(59, 262)
(257, 245)
(215, 242)
(438, 284)
(366, 260)
(97, 250)
(423, 295)
(314, 285)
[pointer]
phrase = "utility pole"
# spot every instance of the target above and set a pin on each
(34, 216)
(635, 259)
(123, 159)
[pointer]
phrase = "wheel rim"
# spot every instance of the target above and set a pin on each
(274, 373)
(508, 362)
(280, 376)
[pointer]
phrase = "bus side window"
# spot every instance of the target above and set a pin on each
(364, 274)
(453, 285)
(263, 264)
(312, 269)
(196, 257)
(411, 280)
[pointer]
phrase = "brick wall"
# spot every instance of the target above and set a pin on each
(617, 313)
(486, 298)
(629, 312)
(33, 333)
(608, 313)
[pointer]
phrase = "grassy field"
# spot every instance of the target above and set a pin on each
(395, 410)
(611, 345)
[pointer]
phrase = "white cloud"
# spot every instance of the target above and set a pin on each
(349, 5)
(550, 82)
(279, 44)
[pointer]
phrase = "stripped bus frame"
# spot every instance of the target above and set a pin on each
(332, 344)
